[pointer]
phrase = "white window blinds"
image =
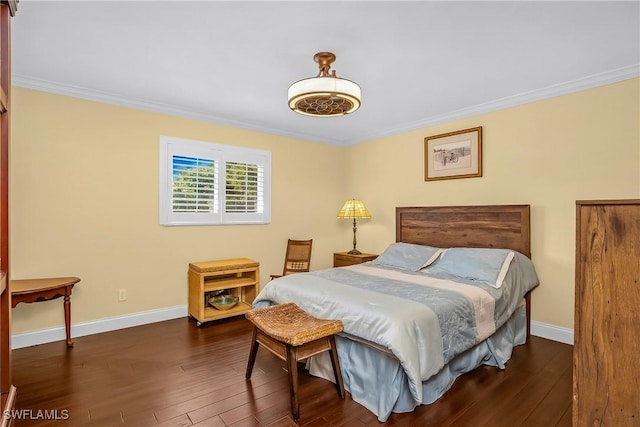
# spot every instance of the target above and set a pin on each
(194, 184)
(205, 183)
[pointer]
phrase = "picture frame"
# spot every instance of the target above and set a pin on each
(453, 155)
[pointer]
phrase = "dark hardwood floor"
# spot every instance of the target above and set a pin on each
(175, 374)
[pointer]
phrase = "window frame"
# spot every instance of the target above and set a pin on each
(220, 153)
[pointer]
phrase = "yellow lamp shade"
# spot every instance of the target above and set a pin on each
(354, 208)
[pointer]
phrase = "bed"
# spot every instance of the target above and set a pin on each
(451, 294)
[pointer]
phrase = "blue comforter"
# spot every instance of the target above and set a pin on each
(424, 320)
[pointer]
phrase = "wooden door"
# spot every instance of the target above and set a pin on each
(7, 9)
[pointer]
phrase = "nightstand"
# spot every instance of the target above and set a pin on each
(342, 259)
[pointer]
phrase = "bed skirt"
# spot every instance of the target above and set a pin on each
(377, 381)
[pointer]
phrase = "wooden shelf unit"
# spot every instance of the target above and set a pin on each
(238, 276)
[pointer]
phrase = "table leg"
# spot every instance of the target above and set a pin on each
(67, 318)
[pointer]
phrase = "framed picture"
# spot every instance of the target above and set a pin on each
(453, 155)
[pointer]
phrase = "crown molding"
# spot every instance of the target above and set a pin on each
(600, 79)
(584, 83)
(141, 104)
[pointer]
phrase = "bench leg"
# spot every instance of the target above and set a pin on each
(252, 353)
(292, 366)
(335, 363)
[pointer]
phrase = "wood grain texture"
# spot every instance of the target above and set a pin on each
(7, 9)
(497, 226)
(174, 373)
(607, 338)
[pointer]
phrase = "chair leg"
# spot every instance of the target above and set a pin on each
(335, 363)
(292, 366)
(252, 353)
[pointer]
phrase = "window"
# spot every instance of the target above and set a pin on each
(203, 183)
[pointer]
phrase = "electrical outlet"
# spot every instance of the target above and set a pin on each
(122, 295)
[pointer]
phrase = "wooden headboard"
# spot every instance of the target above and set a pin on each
(498, 226)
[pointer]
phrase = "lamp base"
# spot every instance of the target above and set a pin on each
(354, 252)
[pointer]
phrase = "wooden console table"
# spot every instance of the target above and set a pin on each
(34, 290)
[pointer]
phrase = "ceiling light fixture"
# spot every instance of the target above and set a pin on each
(324, 95)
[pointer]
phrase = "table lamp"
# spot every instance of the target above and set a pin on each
(355, 209)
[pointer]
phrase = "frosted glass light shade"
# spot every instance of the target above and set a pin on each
(324, 96)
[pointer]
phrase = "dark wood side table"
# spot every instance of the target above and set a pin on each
(35, 290)
(342, 259)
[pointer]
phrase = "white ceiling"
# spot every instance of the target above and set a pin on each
(419, 63)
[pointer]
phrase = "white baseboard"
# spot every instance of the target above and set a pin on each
(552, 332)
(28, 339)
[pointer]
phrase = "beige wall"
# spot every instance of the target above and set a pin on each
(84, 194)
(548, 154)
(84, 202)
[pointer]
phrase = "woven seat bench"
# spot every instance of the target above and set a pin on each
(293, 335)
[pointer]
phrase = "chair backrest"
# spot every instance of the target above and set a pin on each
(298, 256)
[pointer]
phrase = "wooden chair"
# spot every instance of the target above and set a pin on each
(293, 335)
(297, 258)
